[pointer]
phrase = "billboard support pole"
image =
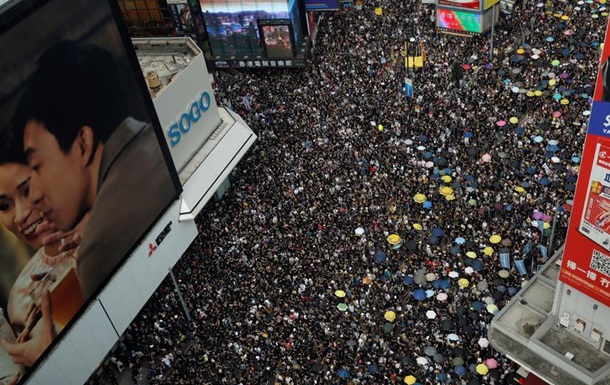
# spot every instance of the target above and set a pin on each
(550, 253)
(184, 307)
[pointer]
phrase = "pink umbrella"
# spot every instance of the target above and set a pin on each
(483, 342)
(537, 215)
(486, 158)
(466, 66)
(556, 114)
(546, 218)
(491, 363)
(501, 123)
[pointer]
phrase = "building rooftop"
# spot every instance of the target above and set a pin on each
(529, 333)
(161, 59)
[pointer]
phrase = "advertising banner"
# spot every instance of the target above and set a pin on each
(489, 3)
(586, 259)
(321, 5)
(474, 5)
(232, 25)
(459, 21)
(277, 38)
(84, 169)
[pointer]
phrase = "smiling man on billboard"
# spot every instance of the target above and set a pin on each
(88, 156)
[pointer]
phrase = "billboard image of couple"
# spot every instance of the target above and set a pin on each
(84, 169)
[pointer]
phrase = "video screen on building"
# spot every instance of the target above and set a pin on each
(84, 169)
(466, 4)
(277, 39)
(232, 25)
(321, 5)
(459, 21)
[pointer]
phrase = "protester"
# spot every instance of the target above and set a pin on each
(292, 279)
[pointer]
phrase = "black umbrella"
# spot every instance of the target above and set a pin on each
(460, 310)
(317, 367)
(411, 245)
(446, 324)
(455, 249)
(470, 244)
(462, 321)
(438, 358)
(497, 296)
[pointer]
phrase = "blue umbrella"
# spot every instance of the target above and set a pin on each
(442, 377)
(433, 240)
(552, 148)
(380, 257)
(525, 184)
(343, 373)
(576, 159)
(538, 139)
(579, 56)
(544, 181)
(556, 96)
(512, 291)
(459, 240)
(437, 232)
(550, 39)
(468, 134)
(447, 171)
(519, 130)
(508, 207)
(373, 369)
(460, 370)
(570, 186)
(531, 170)
(419, 294)
(408, 280)
(477, 305)
(427, 205)
(478, 264)
(469, 178)
(427, 155)
(571, 179)
(441, 284)
(455, 249)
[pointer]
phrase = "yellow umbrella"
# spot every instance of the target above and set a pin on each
(389, 316)
(378, 11)
(471, 254)
(419, 198)
(519, 189)
(495, 238)
(514, 120)
(340, 293)
(529, 93)
(380, 127)
(538, 93)
(552, 82)
(393, 239)
(446, 178)
(565, 17)
(450, 197)
(482, 369)
(546, 225)
(564, 101)
(463, 282)
(520, 51)
(446, 190)
(417, 226)
(488, 251)
(492, 308)
(410, 380)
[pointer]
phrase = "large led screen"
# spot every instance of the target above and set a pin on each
(467, 4)
(83, 169)
(586, 258)
(232, 25)
(459, 21)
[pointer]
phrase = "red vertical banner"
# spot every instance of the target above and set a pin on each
(586, 258)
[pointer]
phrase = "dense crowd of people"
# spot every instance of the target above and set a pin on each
(292, 279)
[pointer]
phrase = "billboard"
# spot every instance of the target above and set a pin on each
(474, 5)
(84, 169)
(232, 25)
(489, 3)
(321, 5)
(459, 21)
(277, 38)
(586, 259)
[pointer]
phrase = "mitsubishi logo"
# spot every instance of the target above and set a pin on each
(151, 249)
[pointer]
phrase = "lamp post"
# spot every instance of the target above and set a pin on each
(493, 23)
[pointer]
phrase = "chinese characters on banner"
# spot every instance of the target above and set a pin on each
(586, 259)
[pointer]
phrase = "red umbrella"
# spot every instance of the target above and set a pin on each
(466, 66)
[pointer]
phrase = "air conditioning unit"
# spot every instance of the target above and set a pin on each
(596, 335)
(565, 319)
(580, 325)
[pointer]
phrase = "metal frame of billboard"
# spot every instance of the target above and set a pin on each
(106, 30)
(586, 258)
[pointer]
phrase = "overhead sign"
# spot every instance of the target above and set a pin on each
(321, 5)
(464, 4)
(586, 258)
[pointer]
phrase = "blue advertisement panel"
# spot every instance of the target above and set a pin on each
(321, 5)
(232, 25)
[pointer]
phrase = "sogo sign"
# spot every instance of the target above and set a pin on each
(183, 125)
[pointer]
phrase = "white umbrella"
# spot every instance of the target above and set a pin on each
(453, 274)
(422, 361)
(483, 342)
(429, 164)
(430, 277)
(553, 142)
(469, 270)
(441, 296)
(555, 159)
(453, 337)
(408, 142)
(488, 300)
(431, 314)
(503, 273)
(430, 293)
(359, 231)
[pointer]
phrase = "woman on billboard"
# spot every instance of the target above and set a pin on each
(43, 280)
